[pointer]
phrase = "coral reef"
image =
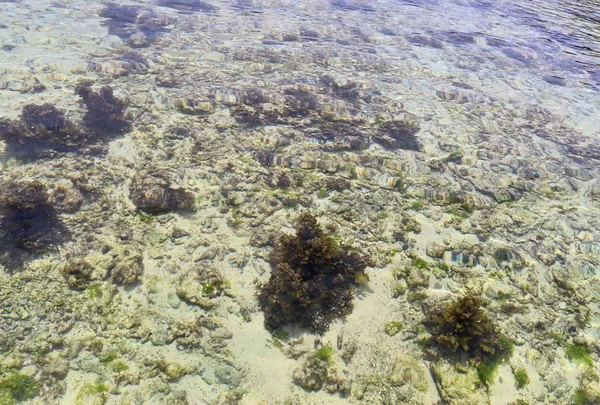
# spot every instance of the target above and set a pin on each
(458, 385)
(152, 193)
(313, 279)
(200, 285)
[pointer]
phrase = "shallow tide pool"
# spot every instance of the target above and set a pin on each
(299, 202)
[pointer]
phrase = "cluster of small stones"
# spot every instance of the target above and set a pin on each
(211, 171)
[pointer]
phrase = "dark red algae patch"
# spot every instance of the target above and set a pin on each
(41, 127)
(105, 112)
(129, 22)
(44, 130)
(28, 222)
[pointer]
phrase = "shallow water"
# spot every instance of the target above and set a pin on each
(152, 154)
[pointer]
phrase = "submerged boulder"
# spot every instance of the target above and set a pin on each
(153, 193)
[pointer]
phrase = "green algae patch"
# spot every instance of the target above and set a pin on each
(18, 387)
(579, 354)
(521, 378)
(392, 328)
(324, 353)
(92, 394)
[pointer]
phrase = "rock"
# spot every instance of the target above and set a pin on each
(128, 270)
(77, 274)
(459, 387)
(65, 197)
(57, 368)
(436, 250)
(152, 193)
(198, 286)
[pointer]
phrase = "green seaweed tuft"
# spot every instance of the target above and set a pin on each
(20, 387)
(420, 263)
(579, 354)
(521, 378)
(93, 394)
(324, 353)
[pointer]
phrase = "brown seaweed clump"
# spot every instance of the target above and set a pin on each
(44, 128)
(28, 222)
(398, 135)
(313, 280)
(105, 112)
(464, 326)
(41, 127)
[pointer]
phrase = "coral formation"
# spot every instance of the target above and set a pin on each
(153, 193)
(313, 279)
(77, 274)
(317, 373)
(199, 286)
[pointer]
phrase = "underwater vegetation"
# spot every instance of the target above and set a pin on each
(579, 354)
(17, 388)
(188, 5)
(352, 5)
(398, 135)
(313, 278)
(464, 326)
(104, 111)
(43, 128)
(28, 222)
(521, 378)
(139, 26)
(153, 193)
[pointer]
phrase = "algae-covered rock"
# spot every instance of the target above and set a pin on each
(41, 127)
(153, 193)
(318, 373)
(18, 387)
(198, 286)
(459, 386)
(92, 394)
